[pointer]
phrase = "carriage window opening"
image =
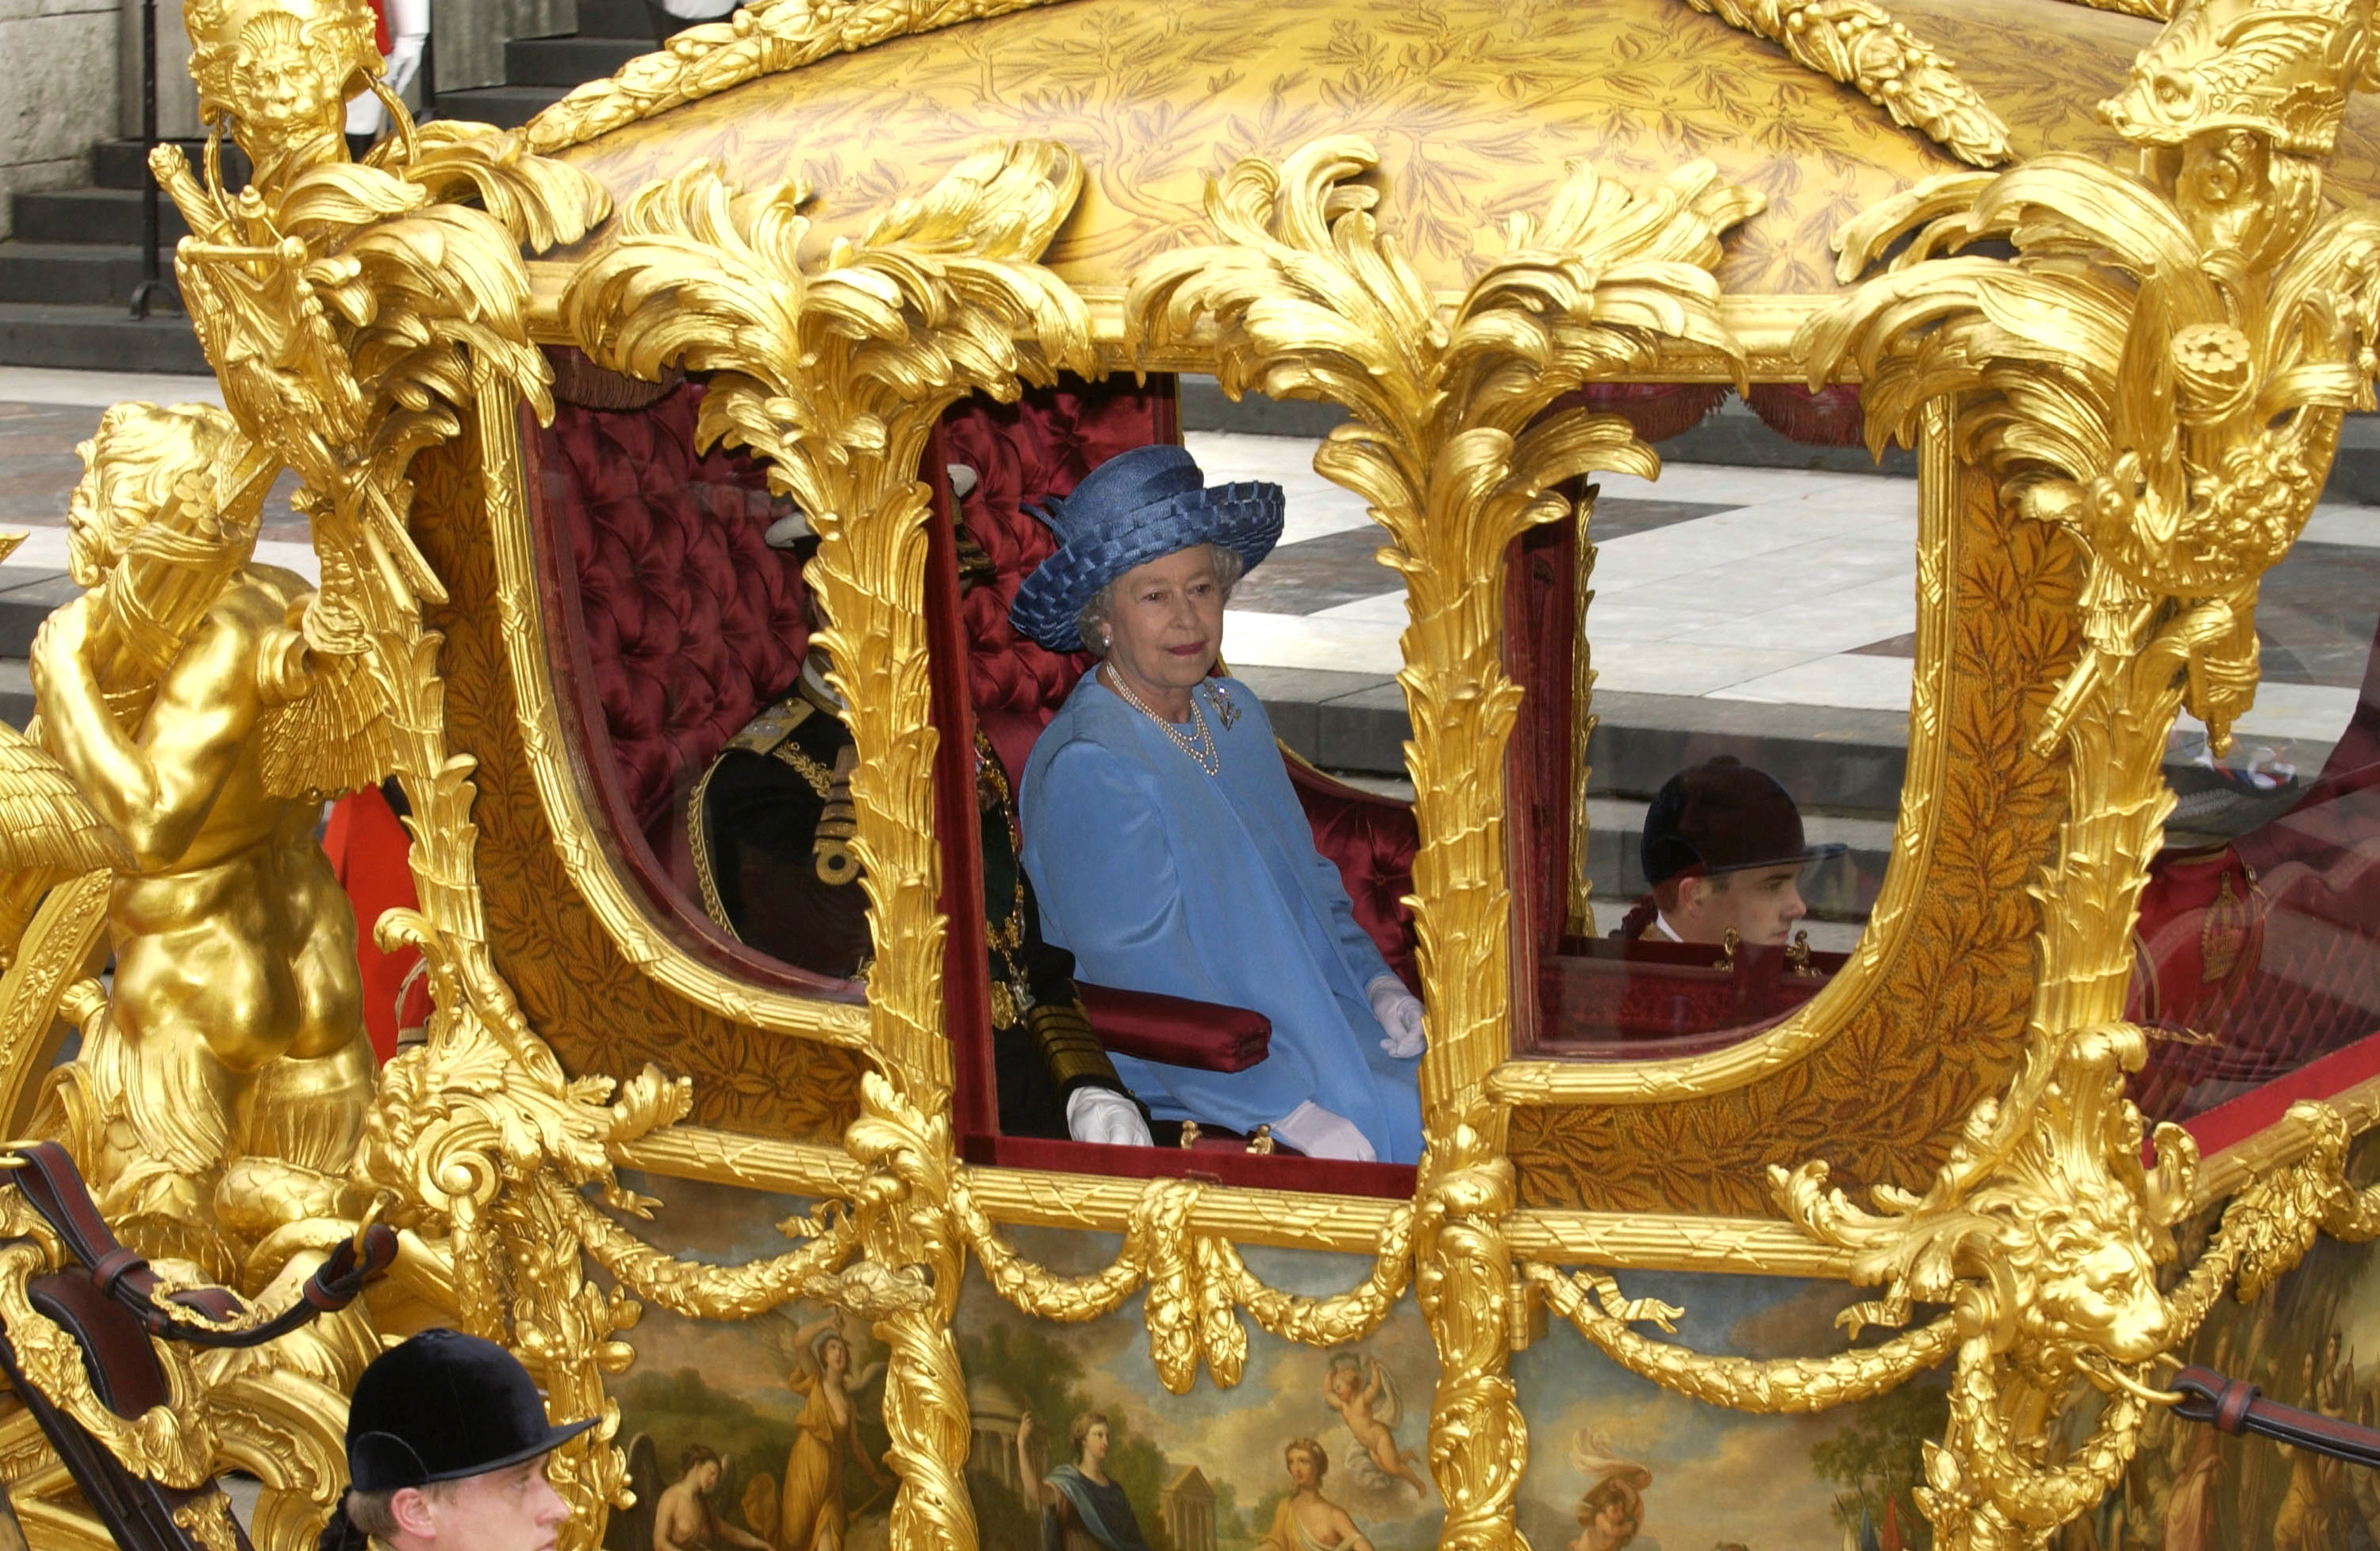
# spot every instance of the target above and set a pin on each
(1704, 860)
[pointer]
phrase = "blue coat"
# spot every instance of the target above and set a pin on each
(1158, 877)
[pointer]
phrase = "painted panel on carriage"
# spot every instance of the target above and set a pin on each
(2313, 1340)
(757, 1433)
(1606, 1446)
(1207, 1472)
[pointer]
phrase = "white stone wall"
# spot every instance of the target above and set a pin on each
(177, 94)
(57, 91)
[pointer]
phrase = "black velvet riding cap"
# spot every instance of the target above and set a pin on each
(443, 1406)
(1133, 508)
(1722, 816)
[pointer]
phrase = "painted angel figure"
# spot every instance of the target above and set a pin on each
(1368, 1400)
(812, 1515)
(1612, 1510)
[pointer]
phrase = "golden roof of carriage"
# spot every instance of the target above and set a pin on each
(1474, 106)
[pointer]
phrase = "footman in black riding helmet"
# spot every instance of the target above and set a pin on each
(446, 1446)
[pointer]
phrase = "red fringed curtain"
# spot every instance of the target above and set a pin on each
(1657, 410)
(1829, 418)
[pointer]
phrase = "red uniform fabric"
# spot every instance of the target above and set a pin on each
(369, 852)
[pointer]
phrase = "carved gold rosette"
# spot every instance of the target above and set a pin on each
(2123, 379)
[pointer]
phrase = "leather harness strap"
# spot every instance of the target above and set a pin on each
(2235, 1406)
(53, 1188)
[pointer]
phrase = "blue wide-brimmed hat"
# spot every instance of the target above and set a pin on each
(1130, 510)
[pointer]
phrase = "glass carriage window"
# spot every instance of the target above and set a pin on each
(2256, 950)
(720, 764)
(1700, 831)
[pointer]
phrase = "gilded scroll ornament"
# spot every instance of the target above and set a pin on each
(1307, 298)
(1856, 43)
(2160, 370)
(834, 373)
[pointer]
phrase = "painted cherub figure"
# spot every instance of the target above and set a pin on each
(1367, 1401)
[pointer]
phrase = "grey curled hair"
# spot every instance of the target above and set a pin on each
(1091, 623)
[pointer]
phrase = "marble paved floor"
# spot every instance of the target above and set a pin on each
(1777, 587)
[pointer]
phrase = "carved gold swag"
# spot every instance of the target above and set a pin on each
(2157, 370)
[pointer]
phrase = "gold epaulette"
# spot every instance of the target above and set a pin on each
(772, 726)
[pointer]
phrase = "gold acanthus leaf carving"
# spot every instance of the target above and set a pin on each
(2163, 366)
(834, 374)
(758, 40)
(1858, 45)
(1305, 297)
(2160, 370)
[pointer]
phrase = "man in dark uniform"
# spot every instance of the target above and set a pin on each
(770, 825)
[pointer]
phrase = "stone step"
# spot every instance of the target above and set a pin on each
(97, 339)
(92, 216)
(506, 107)
(73, 273)
(123, 164)
(26, 597)
(566, 62)
(615, 18)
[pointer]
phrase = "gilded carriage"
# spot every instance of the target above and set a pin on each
(1866, 1237)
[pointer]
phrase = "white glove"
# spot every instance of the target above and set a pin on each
(1105, 1116)
(1398, 1011)
(1317, 1132)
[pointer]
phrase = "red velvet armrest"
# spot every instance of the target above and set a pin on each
(1176, 1030)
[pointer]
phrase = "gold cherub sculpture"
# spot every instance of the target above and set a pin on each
(222, 1087)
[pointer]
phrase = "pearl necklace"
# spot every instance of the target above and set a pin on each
(1200, 748)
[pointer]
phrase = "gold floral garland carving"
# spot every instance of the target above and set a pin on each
(1858, 45)
(760, 38)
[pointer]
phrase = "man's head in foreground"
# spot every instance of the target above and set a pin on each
(447, 1448)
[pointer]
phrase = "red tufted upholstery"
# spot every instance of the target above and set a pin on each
(1022, 453)
(2264, 956)
(692, 621)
